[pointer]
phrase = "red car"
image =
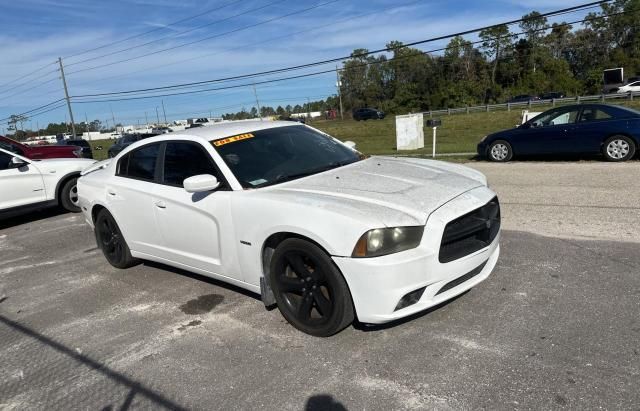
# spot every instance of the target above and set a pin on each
(40, 152)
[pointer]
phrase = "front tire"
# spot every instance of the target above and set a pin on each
(112, 243)
(618, 148)
(310, 290)
(500, 151)
(69, 196)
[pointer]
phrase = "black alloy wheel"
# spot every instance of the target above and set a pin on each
(310, 291)
(111, 242)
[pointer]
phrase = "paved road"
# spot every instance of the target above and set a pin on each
(584, 200)
(556, 325)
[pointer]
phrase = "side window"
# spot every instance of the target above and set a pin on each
(593, 114)
(184, 160)
(5, 159)
(557, 117)
(140, 163)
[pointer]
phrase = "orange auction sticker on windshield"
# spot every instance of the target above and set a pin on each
(232, 139)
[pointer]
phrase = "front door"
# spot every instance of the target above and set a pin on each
(19, 186)
(548, 133)
(196, 228)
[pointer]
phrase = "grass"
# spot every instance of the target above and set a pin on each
(459, 133)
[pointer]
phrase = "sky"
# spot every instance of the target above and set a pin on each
(208, 39)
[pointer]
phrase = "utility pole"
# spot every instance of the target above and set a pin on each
(66, 94)
(146, 119)
(164, 113)
(38, 127)
(339, 87)
(157, 117)
(86, 121)
(210, 116)
(113, 118)
(308, 109)
(255, 93)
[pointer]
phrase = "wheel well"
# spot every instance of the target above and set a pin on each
(62, 182)
(272, 242)
(95, 210)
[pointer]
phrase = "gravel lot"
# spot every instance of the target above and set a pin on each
(556, 325)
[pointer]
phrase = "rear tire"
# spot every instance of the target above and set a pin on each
(500, 151)
(112, 243)
(69, 196)
(310, 291)
(618, 148)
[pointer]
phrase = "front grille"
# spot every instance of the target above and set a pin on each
(462, 279)
(471, 232)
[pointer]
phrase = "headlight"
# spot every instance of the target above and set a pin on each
(383, 241)
(78, 152)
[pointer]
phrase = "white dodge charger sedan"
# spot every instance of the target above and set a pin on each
(284, 210)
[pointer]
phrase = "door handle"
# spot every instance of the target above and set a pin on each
(160, 204)
(111, 192)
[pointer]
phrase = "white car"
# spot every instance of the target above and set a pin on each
(30, 184)
(284, 210)
(631, 87)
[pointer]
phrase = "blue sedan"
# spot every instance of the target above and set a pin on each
(613, 131)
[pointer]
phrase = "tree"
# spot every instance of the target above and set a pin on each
(534, 26)
(15, 120)
(496, 43)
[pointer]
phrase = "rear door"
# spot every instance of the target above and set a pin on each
(19, 186)
(593, 126)
(130, 198)
(196, 229)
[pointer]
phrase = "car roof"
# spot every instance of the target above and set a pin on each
(213, 132)
(222, 130)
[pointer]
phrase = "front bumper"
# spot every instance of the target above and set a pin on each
(378, 284)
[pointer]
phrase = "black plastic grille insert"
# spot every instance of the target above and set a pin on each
(471, 232)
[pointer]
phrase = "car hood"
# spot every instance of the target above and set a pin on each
(63, 165)
(397, 191)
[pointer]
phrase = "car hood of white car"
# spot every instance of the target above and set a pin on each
(397, 191)
(64, 164)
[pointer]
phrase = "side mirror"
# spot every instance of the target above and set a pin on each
(525, 125)
(17, 162)
(201, 183)
(350, 144)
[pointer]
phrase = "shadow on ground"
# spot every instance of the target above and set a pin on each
(118, 380)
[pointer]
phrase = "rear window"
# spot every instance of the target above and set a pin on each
(140, 164)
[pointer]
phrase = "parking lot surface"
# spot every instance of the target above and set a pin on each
(556, 325)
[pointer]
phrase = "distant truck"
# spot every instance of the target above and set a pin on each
(39, 152)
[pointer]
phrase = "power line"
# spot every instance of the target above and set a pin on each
(32, 112)
(330, 71)
(179, 33)
(153, 30)
(208, 38)
(29, 81)
(307, 74)
(332, 60)
(21, 92)
(26, 75)
(245, 46)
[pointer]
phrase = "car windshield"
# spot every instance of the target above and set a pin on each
(266, 157)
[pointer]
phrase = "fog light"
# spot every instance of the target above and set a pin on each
(410, 299)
